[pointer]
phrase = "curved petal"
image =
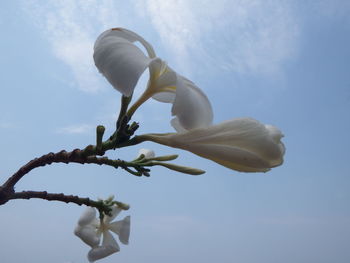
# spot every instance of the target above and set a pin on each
(167, 97)
(88, 235)
(240, 144)
(108, 247)
(191, 105)
(244, 133)
(120, 61)
(87, 217)
(101, 252)
(108, 240)
(231, 157)
(177, 126)
(130, 36)
(122, 229)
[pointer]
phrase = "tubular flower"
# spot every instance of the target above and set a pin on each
(241, 144)
(90, 229)
(122, 63)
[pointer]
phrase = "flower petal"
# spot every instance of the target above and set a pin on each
(240, 144)
(100, 252)
(231, 157)
(122, 229)
(177, 126)
(120, 61)
(132, 37)
(147, 153)
(167, 97)
(191, 105)
(88, 235)
(108, 247)
(87, 217)
(109, 240)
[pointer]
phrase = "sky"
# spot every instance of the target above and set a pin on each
(284, 63)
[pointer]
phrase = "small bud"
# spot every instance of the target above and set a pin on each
(148, 154)
(181, 169)
(165, 158)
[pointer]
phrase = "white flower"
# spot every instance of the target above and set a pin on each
(147, 153)
(119, 60)
(240, 144)
(90, 229)
(122, 63)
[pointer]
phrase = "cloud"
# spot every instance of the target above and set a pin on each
(245, 36)
(76, 129)
(71, 28)
(6, 125)
(241, 36)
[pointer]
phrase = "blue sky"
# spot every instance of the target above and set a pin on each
(284, 63)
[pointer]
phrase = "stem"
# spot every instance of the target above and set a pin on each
(61, 198)
(138, 103)
(75, 156)
(123, 108)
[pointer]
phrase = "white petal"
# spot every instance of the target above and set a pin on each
(191, 105)
(108, 247)
(130, 36)
(108, 240)
(167, 79)
(231, 157)
(101, 252)
(177, 126)
(240, 144)
(115, 211)
(147, 153)
(120, 61)
(88, 235)
(167, 97)
(122, 229)
(88, 216)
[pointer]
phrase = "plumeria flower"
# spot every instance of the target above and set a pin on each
(90, 229)
(242, 144)
(122, 63)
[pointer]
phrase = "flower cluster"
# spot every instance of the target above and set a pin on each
(241, 144)
(90, 229)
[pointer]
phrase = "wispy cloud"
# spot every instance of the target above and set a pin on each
(71, 28)
(254, 36)
(6, 124)
(76, 129)
(242, 36)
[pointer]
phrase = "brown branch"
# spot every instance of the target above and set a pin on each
(75, 156)
(53, 197)
(66, 199)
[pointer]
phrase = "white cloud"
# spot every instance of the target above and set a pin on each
(76, 129)
(242, 36)
(71, 28)
(176, 25)
(245, 36)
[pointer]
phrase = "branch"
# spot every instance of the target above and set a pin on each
(100, 205)
(75, 156)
